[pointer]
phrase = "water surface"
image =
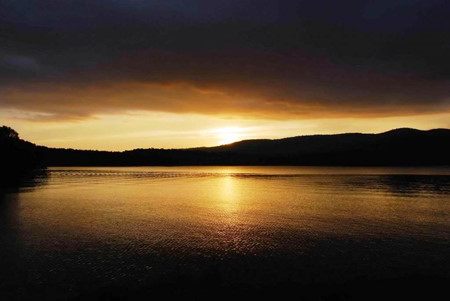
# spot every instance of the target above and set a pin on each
(108, 231)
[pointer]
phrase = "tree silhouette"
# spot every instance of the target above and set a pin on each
(17, 157)
(8, 133)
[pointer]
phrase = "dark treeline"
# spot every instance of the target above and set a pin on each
(20, 160)
(16, 154)
(70, 157)
(402, 147)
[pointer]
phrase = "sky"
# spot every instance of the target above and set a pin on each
(118, 75)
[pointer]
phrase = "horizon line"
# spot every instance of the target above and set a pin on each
(238, 141)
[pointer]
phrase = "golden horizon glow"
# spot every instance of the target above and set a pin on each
(171, 130)
(229, 135)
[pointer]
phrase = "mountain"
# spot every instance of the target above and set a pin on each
(402, 147)
(396, 147)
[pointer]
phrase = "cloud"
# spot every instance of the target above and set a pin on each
(21, 62)
(277, 59)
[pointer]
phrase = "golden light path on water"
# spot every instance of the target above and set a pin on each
(227, 209)
(93, 229)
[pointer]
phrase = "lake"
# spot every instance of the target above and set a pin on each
(317, 232)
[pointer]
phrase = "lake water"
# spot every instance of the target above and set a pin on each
(124, 232)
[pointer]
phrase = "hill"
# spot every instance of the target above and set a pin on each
(401, 147)
(396, 147)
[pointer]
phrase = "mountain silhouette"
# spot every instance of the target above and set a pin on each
(399, 147)
(402, 146)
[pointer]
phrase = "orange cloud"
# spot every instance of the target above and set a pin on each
(80, 101)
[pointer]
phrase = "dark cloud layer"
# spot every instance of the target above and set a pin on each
(350, 57)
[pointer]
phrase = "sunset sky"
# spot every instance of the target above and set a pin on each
(123, 74)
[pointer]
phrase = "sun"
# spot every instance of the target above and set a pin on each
(229, 135)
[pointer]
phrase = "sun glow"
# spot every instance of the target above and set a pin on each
(229, 135)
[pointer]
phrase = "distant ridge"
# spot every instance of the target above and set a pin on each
(401, 147)
(308, 143)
